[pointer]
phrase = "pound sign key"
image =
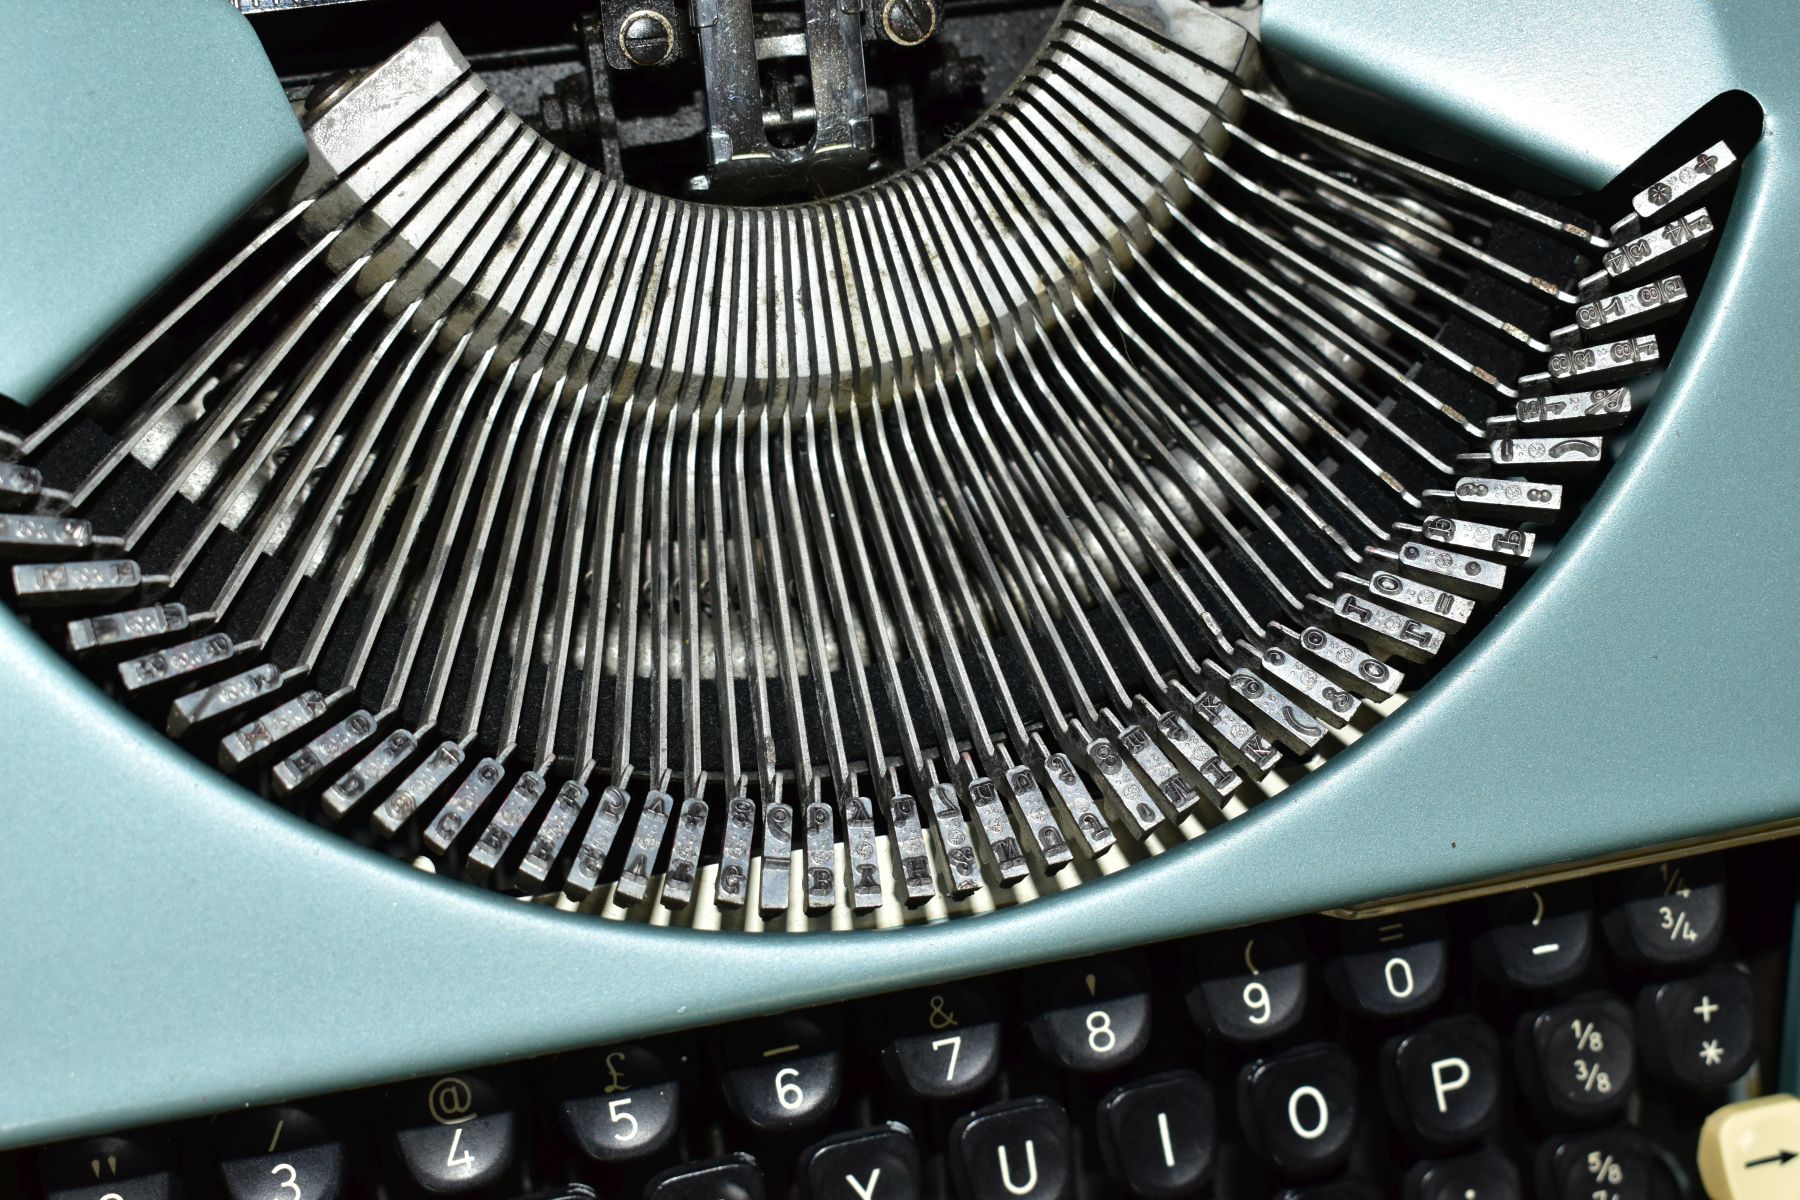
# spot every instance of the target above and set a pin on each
(615, 1074)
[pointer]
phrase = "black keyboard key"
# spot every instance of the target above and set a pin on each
(1249, 984)
(1091, 1015)
(1390, 966)
(1608, 1164)
(454, 1133)
(1536, 938)
(1669, 914)
(1699, 1032)
(1158, 1135)
(619, 1102)
(785, 1072)
(1019, 1150)
(868, 1164)
(734, 1177)
(1577, 1060)
(278, 1153)
(1342, 1189)
(1299, 1109)
(941, 1042)
(131, 1167)
(1485, 1175)
(1443, 1081)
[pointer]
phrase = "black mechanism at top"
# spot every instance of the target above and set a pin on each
(731, 100)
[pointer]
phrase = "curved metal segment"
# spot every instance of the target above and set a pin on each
(1643, 689)
(422, 117)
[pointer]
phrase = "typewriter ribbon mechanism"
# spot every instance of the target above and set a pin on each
(915, 550)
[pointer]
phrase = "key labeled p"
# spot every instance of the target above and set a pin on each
(1448, 1075)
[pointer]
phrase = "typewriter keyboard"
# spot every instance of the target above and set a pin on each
(1566, 1042)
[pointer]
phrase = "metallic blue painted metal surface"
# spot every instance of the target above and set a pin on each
(1581, 87)
(191, 948)
(129, 133)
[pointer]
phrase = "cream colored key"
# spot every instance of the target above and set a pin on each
(1751, 1150)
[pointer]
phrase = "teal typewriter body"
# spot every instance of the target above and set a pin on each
(171, 939)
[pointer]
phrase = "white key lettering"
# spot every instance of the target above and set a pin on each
(1399, 975)
(954, 1041)
(1443, 1083)
(453, 1159)
(1308, 1092)
(1006, 1179)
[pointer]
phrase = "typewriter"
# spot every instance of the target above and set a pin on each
(895, 599)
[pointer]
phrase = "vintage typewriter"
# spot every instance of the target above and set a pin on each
(889, 599)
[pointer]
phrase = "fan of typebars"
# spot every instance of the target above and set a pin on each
(932, 546)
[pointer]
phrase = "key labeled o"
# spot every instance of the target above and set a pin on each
(1399, 975)
(1299, 1100)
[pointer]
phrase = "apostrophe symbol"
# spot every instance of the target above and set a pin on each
(1092, 983)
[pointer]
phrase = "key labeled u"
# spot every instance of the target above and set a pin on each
(1031, 1178)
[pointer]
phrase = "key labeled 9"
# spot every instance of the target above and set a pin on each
(1248, 985)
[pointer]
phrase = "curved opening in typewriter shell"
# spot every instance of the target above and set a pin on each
(172, 940)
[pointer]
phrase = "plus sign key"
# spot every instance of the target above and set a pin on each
(1699, 1032)
(1751, 1150)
